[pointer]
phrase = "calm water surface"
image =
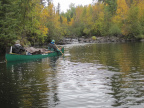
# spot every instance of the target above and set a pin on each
(88, 76)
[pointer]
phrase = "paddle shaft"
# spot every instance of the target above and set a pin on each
(59, 49)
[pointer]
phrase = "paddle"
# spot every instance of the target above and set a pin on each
(59, 49)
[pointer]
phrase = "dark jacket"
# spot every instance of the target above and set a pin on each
(52, 47)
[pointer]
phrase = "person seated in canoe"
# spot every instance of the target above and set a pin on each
(52, 46)
(17, 48)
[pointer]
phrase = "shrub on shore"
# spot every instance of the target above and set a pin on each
(93, 37)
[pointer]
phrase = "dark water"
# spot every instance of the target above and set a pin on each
(88, 76)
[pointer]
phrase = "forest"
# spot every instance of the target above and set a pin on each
(39, 21)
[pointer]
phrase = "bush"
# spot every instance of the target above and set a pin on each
(114, 30)
(93, 37)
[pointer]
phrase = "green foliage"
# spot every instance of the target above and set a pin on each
(77, 30)
(111, 6)
(98, 27)
(87, 31)
(94, 37)
(31, 20)
(114, 30)
(7, 24)
(107, 22)
(132, 26)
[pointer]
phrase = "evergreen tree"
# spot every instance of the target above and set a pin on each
(58, 9)
(7, 23)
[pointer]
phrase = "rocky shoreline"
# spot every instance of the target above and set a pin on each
(107, 39)
(98, 40)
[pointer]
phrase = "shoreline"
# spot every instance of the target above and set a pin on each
(83, 40)
(98, 40)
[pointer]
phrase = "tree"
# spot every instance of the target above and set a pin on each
(58, 9)
(98, 19)
(121, 13)
(49, 2)
(7, 23)
(141, 16)
(132, 27)
(88, 21)
(114, 30)
(111, 6)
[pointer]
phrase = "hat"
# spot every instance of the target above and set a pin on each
(17, 42)
(53, 41)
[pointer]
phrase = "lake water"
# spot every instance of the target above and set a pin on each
(107, 75)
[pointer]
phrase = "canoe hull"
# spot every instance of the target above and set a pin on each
(15, 57)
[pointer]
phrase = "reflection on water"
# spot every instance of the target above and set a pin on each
(89, 76)
(29, 83)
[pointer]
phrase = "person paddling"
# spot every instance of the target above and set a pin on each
(52, 46)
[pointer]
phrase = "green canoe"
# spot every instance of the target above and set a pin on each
(16, 57)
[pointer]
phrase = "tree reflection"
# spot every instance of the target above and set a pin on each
(126, 60)
(29, 84)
